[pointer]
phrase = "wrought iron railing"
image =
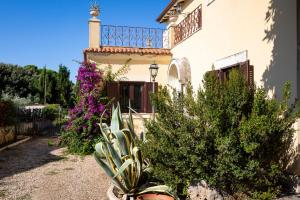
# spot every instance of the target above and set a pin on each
(189, 25)
(140, 37)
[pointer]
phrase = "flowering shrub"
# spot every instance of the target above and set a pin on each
(81, 130)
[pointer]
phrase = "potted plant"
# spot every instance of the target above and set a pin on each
(122, 160)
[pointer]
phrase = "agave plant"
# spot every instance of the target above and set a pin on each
(121, 158)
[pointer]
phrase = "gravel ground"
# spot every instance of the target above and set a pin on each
(36, 170)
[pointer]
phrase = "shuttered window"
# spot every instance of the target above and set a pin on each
(138, 93)
(245, 67)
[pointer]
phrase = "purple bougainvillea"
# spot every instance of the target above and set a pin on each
(89, 108)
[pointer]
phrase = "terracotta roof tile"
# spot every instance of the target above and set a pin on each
(128, 50)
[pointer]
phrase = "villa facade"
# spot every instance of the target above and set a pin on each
(260, 37)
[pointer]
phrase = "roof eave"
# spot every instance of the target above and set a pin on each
(128, 50)
(171, 6)
(164, 12)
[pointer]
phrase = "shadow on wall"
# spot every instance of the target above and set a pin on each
(282, 33)
(295, 166)
(282, 17)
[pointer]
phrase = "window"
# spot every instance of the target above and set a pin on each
(133, 92)
(138, 93)
(124, 96)
(245, 67)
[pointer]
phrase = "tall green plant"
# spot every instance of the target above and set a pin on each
(121, 158)
(232, 136)
(64, 86)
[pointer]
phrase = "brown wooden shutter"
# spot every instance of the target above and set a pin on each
(248, 72)
(251, 76)
(113, 92)
(222, 74)
(212, 73)
(217, 73)
(147, 106)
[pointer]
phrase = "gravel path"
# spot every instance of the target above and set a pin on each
(36, 171)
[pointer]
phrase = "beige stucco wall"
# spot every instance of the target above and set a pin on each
(232, 26)
(94, 32)
(138, 65)
(139, 122)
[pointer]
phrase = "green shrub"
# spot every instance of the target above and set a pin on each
(51, 112)
(7, 113)
(230, 135)
(77, 144)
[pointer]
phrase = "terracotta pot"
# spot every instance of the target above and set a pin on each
(154, 197)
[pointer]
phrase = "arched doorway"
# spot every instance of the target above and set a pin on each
(179, 74)
(173, 77)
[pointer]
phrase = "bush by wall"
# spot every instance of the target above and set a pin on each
(234, 137)
(51, 112)
(7, 113)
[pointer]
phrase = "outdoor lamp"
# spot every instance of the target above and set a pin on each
(153, 71)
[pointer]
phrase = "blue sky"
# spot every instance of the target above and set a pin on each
(53, 32)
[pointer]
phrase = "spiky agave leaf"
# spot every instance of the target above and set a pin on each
(129, 122)
(117, 160)
(120, 158)
(116, 119)
(120, 116)
(109, 172)
(124, 167)
(104, 150)
(163, 189)
(115, 123)
(104, 128)
(123, 142)
(144, 122)
(137, 156)
(99, 150)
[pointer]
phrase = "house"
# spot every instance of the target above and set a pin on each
(261, 37)
(139, 47)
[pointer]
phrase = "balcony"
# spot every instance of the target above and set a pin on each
(135, 37)
(188, 26)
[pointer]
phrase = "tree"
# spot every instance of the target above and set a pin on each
(47, 86)
(18, 81)
(31, 82)
(64, 86)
